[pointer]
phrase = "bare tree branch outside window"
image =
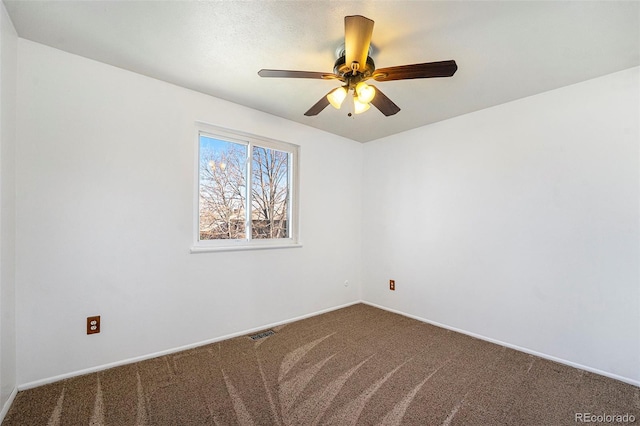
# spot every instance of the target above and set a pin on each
(270, 193)
(223, 191)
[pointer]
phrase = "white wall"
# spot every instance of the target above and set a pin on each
(8, 64)
(519, 223)
(105, 178)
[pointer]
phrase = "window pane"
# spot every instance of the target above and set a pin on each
(270, 193)
(222, 189)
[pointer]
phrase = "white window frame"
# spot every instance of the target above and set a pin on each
(203, 246)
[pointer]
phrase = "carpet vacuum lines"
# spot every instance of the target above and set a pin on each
(359, 365)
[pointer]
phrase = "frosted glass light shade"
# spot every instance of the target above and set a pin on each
(365, 92)
(359, 107)
(337, 97)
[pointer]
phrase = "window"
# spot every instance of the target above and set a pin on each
(246, 191)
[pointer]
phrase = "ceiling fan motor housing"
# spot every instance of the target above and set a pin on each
(343, 70)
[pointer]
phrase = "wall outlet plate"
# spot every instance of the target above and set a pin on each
(392, 285)
(93, 324)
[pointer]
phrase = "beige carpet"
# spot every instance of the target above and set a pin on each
(358, 365)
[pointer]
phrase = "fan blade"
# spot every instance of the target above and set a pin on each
(384, 104)
(319, 106)
(295, 74)
(357, 38)
(426, 70)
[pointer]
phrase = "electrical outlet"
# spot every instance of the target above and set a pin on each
(93, 325)
(392, 285)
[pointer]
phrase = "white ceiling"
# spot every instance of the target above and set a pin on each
(505, 50)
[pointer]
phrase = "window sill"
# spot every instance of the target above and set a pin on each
(202, 249)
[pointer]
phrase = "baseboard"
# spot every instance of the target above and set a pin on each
(511, 346)
(95, 369)
(7, 405)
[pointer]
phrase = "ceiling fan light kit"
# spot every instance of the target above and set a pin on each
(354, 66)
(336, 97)
(358, 106)
(365, 92)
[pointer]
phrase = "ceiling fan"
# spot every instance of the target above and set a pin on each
(354, 66)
